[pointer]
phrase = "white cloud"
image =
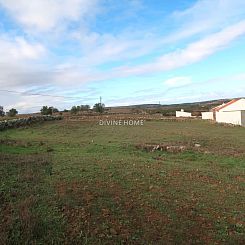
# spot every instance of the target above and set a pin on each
(25, 63)
(44, 15)
(76, 74)
(178, 81)
(202, 18)
(194, 52)
(206, 15)
(17, 49)
(18, 58)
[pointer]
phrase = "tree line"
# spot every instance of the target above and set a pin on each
(98, 107)
(46, 110)
(11, 113)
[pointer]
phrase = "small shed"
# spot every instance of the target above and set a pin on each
(182, 113)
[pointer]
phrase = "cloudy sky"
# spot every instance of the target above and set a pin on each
(127, 51)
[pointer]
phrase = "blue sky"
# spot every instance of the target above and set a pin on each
(128, 52)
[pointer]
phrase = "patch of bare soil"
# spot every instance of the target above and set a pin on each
(128, 218)
(125, 218)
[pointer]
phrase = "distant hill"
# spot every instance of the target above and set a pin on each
(170, 109)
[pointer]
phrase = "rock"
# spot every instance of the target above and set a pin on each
(197, 145)
(155, 148)
(174, 149)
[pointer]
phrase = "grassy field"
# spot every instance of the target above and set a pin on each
(80, 183)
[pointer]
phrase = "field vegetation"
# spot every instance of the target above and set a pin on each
(75, 182)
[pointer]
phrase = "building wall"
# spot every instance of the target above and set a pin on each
(243, 118)
(237, 106)
(233, 117)
(208, 115)
(183, 114)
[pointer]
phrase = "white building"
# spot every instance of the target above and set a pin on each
(182, 113)
(232, 112)
(208, 115)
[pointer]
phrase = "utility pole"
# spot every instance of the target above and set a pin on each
(100, 99)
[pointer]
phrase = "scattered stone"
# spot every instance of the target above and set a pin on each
(174, 149)
(163, 147)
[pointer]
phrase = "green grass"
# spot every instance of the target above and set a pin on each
(81, 183)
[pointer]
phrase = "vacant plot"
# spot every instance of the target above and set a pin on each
(80, 183)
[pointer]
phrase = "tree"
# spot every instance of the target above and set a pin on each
(99, 107)
(74, 109)
(2, 113)
(55, 110)
(84, 107)
(46, 110)
(12, 112)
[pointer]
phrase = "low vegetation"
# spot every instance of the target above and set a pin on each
(69, 182)
(45, 110)
(99, 107)
(81, 108)
(12, 112)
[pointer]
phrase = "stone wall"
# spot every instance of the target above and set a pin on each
(22, 122)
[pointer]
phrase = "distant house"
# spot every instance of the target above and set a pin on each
(208, 115)
(232, 112)
(182, 113)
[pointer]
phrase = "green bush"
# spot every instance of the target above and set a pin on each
(12, 112)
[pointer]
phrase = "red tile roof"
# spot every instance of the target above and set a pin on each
(218, 108)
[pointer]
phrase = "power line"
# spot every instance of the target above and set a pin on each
(38, 94)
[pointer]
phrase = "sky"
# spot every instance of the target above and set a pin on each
(70, 52)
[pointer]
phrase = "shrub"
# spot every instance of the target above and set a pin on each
(75, 109)
(12, 112)
(47, 110)
(2, 113)
(99, 107)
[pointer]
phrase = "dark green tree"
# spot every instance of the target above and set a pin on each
(47, 110)
(99, 107)
(84, 107)
(2, 113)
(12, 112)
(55, 110)
(75, 109)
